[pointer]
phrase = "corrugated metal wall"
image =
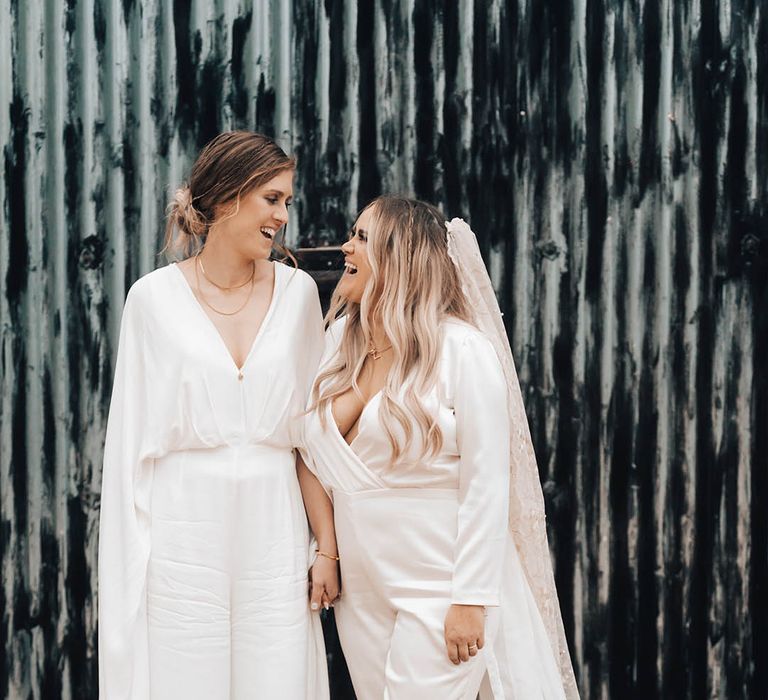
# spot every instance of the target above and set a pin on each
(611, 154)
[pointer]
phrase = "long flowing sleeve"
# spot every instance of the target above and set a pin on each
(314, 343)
(124, 529)
(482, 431)
(312, 338)
(328, 343)
(310, 323)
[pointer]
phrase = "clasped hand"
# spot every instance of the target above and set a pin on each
(464, 631)
(323, 583)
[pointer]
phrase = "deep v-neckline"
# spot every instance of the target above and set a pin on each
(212, 325)
(358, 422)
(334, 434)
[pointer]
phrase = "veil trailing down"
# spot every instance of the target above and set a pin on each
(526, 502)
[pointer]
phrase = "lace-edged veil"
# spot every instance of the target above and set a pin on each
(526, 501)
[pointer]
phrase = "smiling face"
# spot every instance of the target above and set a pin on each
(357, 266)
(250, 228)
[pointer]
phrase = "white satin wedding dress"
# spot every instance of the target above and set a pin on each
(416, 538)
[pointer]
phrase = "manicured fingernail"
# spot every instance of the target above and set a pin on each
(315, 606)
(326, 606)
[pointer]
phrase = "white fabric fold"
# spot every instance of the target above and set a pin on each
(124, 542)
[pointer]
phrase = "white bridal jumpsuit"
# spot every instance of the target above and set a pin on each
(415, 538)
(204, 544)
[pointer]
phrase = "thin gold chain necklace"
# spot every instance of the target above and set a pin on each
(218, 311)
(215, 284)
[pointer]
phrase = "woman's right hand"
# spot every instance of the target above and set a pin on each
(464, 632)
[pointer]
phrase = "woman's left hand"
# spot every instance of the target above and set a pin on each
(464, 631)
(323, 582)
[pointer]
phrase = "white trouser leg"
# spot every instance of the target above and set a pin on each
(365, 623)
(402, 655)
(228, 614)
(270, 632)
(188, 617)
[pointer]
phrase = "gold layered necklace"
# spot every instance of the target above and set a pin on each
(239, 286)
(216, 284)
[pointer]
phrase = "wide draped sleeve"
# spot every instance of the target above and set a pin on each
(327, 345)
(309, 336)
(482, 438)
(124, 530)
(310, 319)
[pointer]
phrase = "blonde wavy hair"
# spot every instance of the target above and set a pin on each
(413, 287)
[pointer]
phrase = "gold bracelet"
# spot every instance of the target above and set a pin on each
(329, 556)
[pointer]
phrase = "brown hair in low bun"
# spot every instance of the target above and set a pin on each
(232, 164)
(185, 215)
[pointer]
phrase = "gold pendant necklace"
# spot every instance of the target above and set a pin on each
(213, 308)
(375, 354)
(215, 284)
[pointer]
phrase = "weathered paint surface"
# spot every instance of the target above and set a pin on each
(612, 156)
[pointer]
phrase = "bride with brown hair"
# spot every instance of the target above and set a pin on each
(418, 433)
(203, 540)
